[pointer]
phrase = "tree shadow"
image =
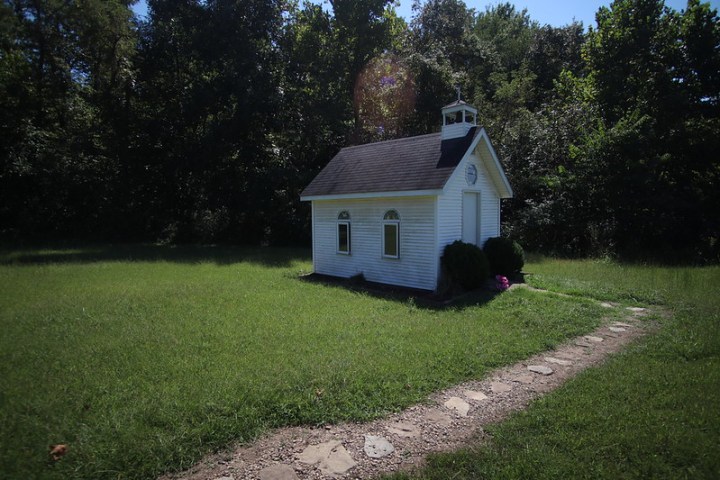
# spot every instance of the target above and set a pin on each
(275, 257)
(424, 299)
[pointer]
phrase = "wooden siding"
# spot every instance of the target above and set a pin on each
(450, 205)
(417, 264)
(492, 167)
(455, 130)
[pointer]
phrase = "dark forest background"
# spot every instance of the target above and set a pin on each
(204, 122)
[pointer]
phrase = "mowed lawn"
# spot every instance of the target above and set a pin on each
(142, 359)
(652, 411)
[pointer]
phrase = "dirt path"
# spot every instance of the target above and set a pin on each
(449, 419)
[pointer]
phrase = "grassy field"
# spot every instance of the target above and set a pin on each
(142, 359)
(651, 412)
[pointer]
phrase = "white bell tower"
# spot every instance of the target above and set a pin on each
(458, 118)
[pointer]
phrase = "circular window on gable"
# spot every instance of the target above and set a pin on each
(471, 174)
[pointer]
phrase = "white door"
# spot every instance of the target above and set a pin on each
(471, 218)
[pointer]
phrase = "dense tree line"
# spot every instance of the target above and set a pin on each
(204, 121)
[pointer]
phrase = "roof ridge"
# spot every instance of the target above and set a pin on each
(414, 137)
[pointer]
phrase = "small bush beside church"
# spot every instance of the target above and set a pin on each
(465, 265)
(505, 257)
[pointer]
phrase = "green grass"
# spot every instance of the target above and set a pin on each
(651, 412)
(142, 359)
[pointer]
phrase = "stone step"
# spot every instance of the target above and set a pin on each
(377, 447)
(473, 395)
(331, 457)
(540, 369)
(459, 405)
(558, 361)
(499, 387)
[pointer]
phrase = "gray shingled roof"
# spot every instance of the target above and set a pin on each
(415, 163)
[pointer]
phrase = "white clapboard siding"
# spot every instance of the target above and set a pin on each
(450, 205)
(417, 264)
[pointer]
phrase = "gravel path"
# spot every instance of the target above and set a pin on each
(450, 419)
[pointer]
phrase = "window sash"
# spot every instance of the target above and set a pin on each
(343, 238)
(391, 239)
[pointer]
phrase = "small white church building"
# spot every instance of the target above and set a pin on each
(387, 210)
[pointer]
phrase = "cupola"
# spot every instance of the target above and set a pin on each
(458, 118)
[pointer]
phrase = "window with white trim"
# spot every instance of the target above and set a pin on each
(343, 233)
(391, 234)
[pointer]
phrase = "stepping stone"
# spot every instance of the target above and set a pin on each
(331, 457)
(637, 309)
(591, 338)
(499, 387)
(459, 405)
(526, 379)
(541, 369)
(377, 447)
(436, 416)
(406, 430)
(278, 472)
(226, 477)
(607, 305)
(558, 361)
(473, 395)
(623, 325)
(581, 343)
(617, 329)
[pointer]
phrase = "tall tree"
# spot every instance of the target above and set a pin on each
(209, 149)
(443, 55)
(658, 128)
(65, 69)
(362, 31)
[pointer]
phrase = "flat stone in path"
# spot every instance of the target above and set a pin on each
(558, 361)
(591, 338)
(499, 387)
(541, 369)
(473, 395)
(582, 343)
(607, 305)
(621, 324)
(617, 329)
(377, 447)
(637, 309)
(331, 457)
(436, 416)
(278, 472)
(405, 430)
(459, 405)
(526, 379)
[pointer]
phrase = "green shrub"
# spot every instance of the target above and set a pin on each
(465, 265)
(505, 256)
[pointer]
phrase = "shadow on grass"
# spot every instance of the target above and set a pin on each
(420, 298)
(191, 254)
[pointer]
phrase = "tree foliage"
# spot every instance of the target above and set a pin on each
(204, 121)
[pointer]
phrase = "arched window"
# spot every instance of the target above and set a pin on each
(343, 233)
(391, 234)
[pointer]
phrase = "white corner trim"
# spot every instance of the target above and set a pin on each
(496, 164)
